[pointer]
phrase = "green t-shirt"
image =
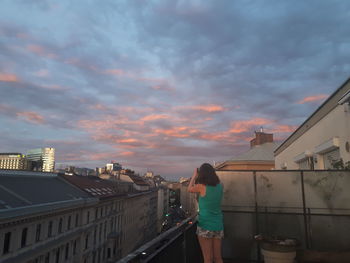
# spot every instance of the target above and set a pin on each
(210, 214)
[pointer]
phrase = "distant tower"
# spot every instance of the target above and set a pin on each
(43, 159)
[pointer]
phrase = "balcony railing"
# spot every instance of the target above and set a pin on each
(178, 244)
(310, 206)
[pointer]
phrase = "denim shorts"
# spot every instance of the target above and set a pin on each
(209, 234)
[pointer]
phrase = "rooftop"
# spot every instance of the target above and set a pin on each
(21, 189)
(93, 185)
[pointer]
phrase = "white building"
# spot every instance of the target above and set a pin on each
(44, 158)
(323, 140)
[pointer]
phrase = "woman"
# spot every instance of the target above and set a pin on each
(210, 222)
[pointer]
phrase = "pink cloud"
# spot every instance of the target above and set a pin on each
(127, 154)
(178, 132)
(31, 116)
(98, 107)
(244, 126)
(154, 117)
(209, 108)
(7, 77)
(81, 64)
(41, 51)
(54, 87)
(284, 129)
(312, 98)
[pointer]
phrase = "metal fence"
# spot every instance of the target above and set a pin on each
(311, 206)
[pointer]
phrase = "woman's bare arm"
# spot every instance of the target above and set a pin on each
(195, 188)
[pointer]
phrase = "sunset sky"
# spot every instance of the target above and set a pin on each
(164, 85)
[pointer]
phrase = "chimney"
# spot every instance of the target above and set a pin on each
(261, 138)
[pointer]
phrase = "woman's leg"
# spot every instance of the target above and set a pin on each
(217, 250)
(207, 248)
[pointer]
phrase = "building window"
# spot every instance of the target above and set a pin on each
(69, 222)
(58, 255)
(86, 241)
(7, 241)
(88, 217)
(47, 258)
(100, 233)
(49, 229)
(67, 251)
(331, 158)
(24, 237)
(96, 213)
(60, 225)
(105, 230)
(95, 232)
(76, 220)
(37, 232)
(75, 247)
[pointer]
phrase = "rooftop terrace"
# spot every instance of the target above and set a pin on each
(310, 206)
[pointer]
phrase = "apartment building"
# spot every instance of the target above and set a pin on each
(42, 218)
(50, 218)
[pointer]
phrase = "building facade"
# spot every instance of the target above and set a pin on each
(163, 205)
(43, 159)
(13, 161)
(323, 140)
(50, 218)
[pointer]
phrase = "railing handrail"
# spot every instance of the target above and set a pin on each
(144, 251)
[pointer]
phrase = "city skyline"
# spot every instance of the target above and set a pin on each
(164, 85)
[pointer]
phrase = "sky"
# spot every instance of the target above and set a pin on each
(164, 85)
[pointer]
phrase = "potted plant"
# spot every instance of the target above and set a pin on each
(277, 249)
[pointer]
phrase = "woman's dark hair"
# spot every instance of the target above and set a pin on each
(207, 175)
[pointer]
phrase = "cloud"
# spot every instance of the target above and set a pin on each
(178, 132)
(31, 116)
(249, 125)
(154, 117)
(314, 98)
(42, 73)
(181, 86)
(209, 108)
(41, 51)
(8, 77)
(116, 72)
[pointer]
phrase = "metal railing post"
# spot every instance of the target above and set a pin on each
(306, 226)
(257, 229)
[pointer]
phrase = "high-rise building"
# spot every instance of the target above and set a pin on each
(13, 161)
(43, 159)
